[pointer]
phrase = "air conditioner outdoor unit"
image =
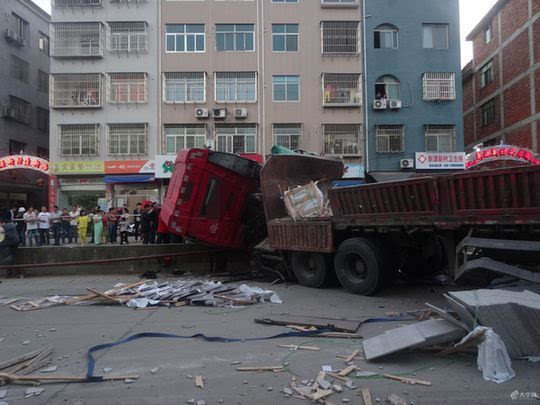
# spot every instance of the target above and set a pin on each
(201, 113)
(219, 113)
(379, 104)
(8, 112)
(407, 164)
(209, 143)
(240, 112)
(395, 104)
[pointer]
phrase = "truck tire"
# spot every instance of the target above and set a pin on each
(311, 269)
(359, 267)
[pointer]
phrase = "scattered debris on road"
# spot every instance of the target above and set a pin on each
(145, 294)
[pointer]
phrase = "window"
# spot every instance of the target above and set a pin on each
(340, 3)
(390, 138)
(487, 74)
(287, 135)
(387, 87)
(185, 38)
(440, 138)
(178, 137)
(43, 152)
(439, 86)
(127, 139)
(128, 37)
(488, 34)
(235, 37)
(76, 3)
(76, 90)
(236, 87)
(341, 139)
(43, 81)
(236, 138)
(341, 90)
(184, 87)
(19, 69)
(488, 112)
(77, 39)
(42, 119)
(340, 37)
(286, 88)
(16, 147)
(386, 36)
(79, 140)
(436, 36)
(18, 30)
(20, 110)
(127, 88)
(285, 37)
(44, 43)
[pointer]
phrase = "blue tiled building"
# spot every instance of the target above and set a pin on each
(413, 86)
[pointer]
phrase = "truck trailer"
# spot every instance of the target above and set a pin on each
(457, 223)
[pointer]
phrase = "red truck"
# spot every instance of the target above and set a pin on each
(460, 222)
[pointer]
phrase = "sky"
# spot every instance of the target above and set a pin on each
(471, 14)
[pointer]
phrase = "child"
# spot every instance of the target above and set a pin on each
(123, 223)
(82, 221)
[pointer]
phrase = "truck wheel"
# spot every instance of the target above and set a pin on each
(358, 266)
(310, 269)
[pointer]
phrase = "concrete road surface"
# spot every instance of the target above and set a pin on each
(455, 379)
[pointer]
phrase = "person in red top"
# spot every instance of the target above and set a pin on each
(162, 231)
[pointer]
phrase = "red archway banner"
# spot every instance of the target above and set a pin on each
(502, 152)
(24, 162)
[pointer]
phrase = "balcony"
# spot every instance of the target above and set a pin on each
(77, 40)
(341, 90)
(340, 3)
(76, 90)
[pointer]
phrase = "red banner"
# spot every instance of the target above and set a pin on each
(24, 162)
(53, 191)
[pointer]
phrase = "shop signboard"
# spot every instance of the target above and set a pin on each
(78, 167)
(129, 167)
(164, 166)
(502, 152)
(24, 162)
(440, 161)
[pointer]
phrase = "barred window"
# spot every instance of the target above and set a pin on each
(19, 69)
(178, 137)
(439, 86)
(185, 38)
(236, 87)
(42, 119)
(127, 139)
(440, 138)
(184, 87)
(77, 39)
(341, 139)
(390, 138)
(43, 81)
(236, 138)
(127, 88)
(287, 135)
(76, 3)
(340, 37)
(128, 37)
(79, 139)
(20, 110)
(341, 90)
(74, 90)
(235, 37)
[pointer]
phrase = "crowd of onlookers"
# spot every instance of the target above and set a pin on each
(78, 225)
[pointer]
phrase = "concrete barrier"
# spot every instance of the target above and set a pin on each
(201, 263)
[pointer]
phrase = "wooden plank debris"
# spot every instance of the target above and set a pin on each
(337, 325)
(346, 371)
(260, 368)
(61, 378)
(405, 380)
(352, 356)
(366, 396)
(296, 347)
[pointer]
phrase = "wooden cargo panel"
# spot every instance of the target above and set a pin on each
(306, 236)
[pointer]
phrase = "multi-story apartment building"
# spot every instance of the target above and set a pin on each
(242, 76)
(413, 82)
(24, 106)
(104, 100)
(501, 85)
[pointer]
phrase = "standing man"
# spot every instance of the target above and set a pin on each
(44, 223)
(112, 224)
(73, 224)
(146, 220)
(137, 219)
(32, 231)
(65, 226)
(56, 224)
(9, 241)
(21, 226)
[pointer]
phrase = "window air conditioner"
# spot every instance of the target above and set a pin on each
(201, 113)
(219, 113)
(240, 112)
(379, 104)
(395, 104)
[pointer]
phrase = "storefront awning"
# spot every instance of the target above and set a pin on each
(138, 178)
